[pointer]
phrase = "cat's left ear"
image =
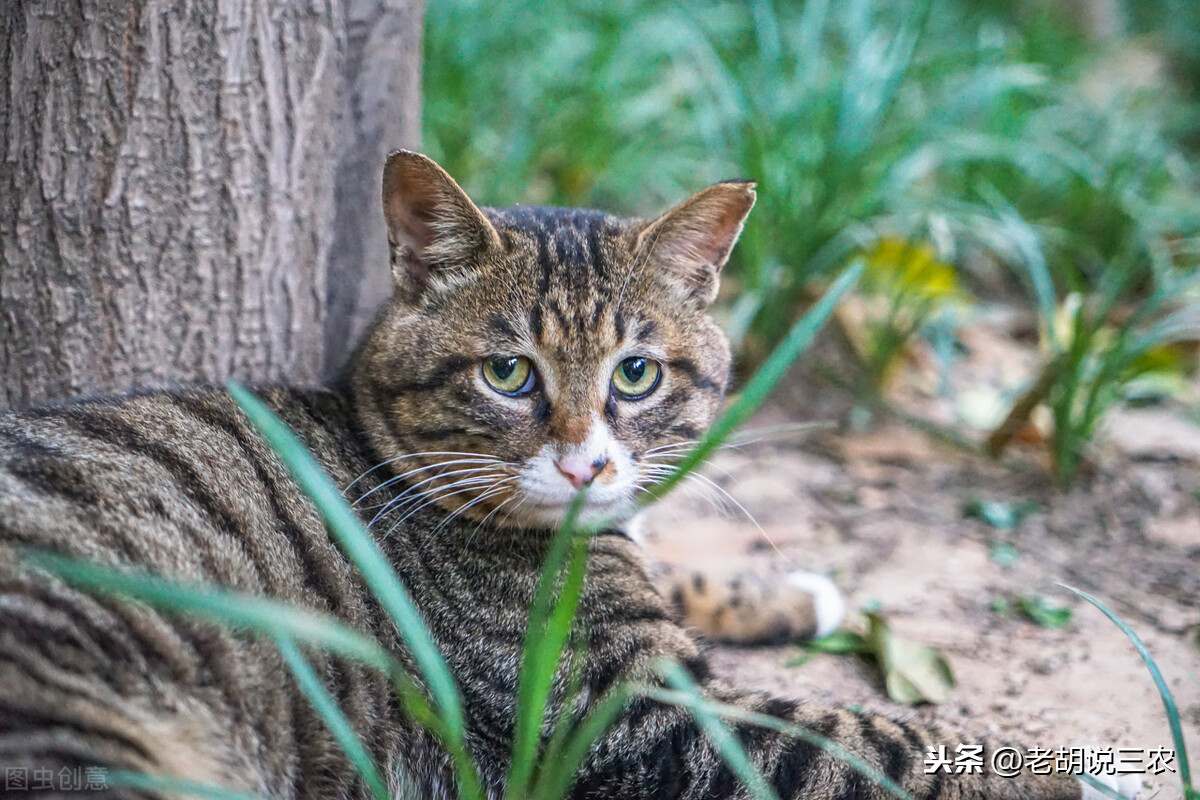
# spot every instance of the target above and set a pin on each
(688, 245)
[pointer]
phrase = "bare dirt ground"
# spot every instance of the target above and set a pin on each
(882, 512)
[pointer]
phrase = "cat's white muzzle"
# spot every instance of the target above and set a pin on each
(600, 465)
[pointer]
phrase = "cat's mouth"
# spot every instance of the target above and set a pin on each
(589, 503)
(552, 513)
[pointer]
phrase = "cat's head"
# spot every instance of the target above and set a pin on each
(528, 352)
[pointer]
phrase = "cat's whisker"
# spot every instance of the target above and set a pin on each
(743, 438)
(671, 467)
(417, 487)
(774, 432)
(454, 462)
(716, 491)
(471, 481)
(658, 471)
(438, 498)
(459, 474)
(508, 514)
(474, 501)
(715, 486)
(429, 479)
(489, 515)
(645, 489)
(467, 467)
(671, 446)
(698, 480)
(416, 493)
(427, 453)
(432, 496)
(493, 492)
(697, 489)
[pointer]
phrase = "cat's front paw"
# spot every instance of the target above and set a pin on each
(748, 608)
(1128, 786)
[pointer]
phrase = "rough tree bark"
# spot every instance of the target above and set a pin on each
(189, 188)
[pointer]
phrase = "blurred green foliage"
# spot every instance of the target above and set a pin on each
(985, 132)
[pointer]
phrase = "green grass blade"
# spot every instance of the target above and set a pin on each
(233, 609)
(365, 554)
(1028, 246)
(545, 639)
(871, 84)
(810, 34)
(722, 738)
(332, 715)
(766, 32)
(1168, 699)
(561, 764)
(763, 381)
(173, 786)
(566, 721)
(360, 548)
(246, 612)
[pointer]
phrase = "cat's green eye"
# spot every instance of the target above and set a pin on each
(634, 378)
(510, 375)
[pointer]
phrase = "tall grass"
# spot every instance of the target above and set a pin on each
(829, 106)
(553, 105)
(955, 123)
(1118, 286)
(836, 109)
(1190, 792)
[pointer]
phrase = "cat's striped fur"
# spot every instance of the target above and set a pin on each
(180, 484)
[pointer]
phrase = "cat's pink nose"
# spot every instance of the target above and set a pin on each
(578, 471)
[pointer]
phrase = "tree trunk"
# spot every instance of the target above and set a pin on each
(189, 188)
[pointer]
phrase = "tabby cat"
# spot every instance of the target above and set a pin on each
(526, 353)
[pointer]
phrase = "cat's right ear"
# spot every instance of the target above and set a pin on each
(433, 227)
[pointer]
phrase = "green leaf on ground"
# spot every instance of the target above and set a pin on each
(999, 514)
(1043, 612)
(836, 643)
(913, 673)
(1003, 554)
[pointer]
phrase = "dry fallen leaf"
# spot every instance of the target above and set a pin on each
(913, 672)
